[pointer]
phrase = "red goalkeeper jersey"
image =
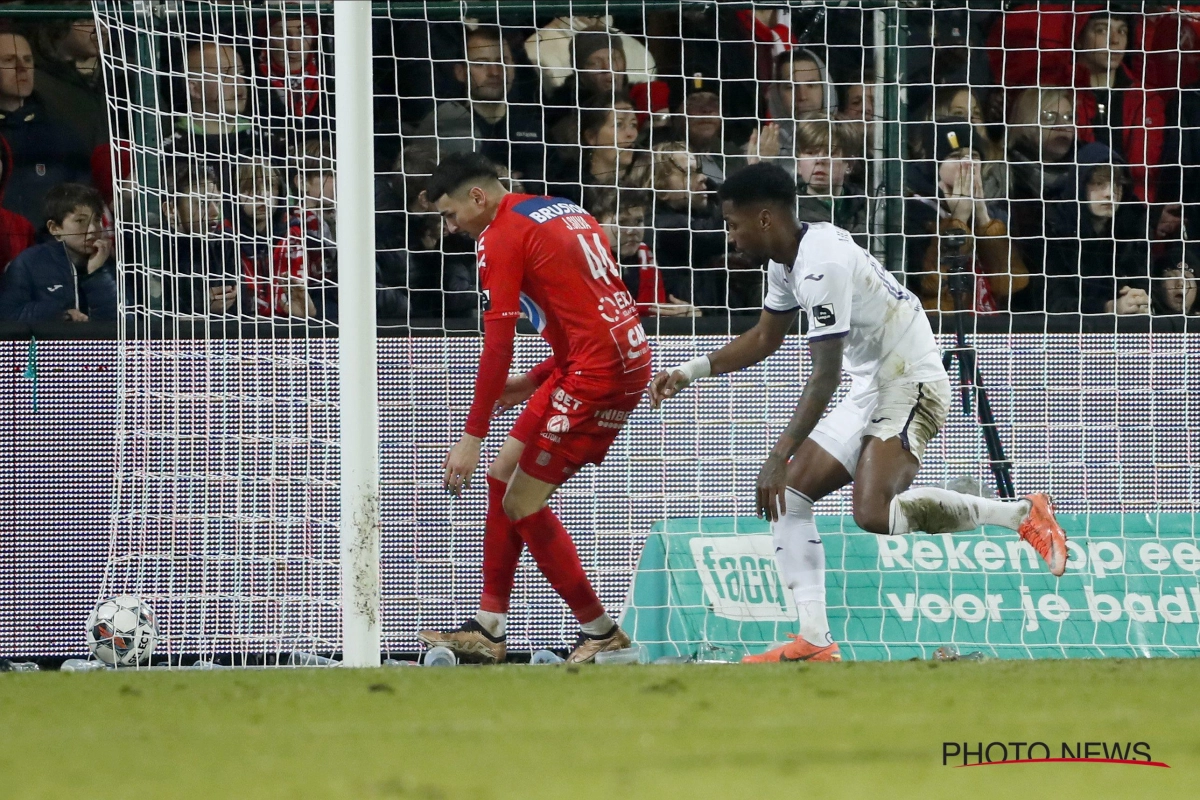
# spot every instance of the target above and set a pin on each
(548, 259)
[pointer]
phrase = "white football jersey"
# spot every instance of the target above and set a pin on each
(846, 292)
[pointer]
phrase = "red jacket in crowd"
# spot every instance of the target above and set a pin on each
(16, 232)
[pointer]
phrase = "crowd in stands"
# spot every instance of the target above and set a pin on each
(1050, 153)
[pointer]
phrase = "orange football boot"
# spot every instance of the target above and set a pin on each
(1041, 530)
(796, 650)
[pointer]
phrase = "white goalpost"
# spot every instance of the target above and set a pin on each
(360, 512)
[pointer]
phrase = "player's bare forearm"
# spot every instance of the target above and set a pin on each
(754, 345)
(771, 484)
(818, 391)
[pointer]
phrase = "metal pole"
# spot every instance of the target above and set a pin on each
(360, 525)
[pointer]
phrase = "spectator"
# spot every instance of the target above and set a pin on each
(309, 251)
(1175, 287)
(821, 172)
(213, 123)
(200, 263)
(260, 230)
(606, 158)
(550, 48)
(599, 59)
(1098, 254)
(16, 232)
(801, 89)
(1112, 107)
(1041, 156)
(487, 120)
(72, 277)
(689, 234)
(45, 153)
(856, 110)
(962, 102)
(702, 127)
(623, 218)
(290, 73)
(69, 77)
(961, 229)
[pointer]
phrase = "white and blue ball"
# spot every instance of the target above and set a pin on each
(122, 631)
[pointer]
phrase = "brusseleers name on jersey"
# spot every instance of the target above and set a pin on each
(544, 209)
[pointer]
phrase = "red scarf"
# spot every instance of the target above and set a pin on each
(298, 93)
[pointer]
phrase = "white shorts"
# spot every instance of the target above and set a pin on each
(913, 411)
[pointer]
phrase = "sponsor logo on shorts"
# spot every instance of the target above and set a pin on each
(559, 423)
(611, 418)
(823, 315)
(543, 458)
(564, 402)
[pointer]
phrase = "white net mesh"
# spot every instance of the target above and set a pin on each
(951, 143)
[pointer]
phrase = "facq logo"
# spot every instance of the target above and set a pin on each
(741, 581)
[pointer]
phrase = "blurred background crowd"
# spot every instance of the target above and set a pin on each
(1048, 152)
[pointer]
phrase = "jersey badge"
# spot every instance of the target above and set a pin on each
(487, 299)
(533, 312)
(823, 315)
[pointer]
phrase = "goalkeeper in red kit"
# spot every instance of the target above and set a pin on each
(548, 259)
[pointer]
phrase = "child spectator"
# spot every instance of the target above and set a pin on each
(16, 232)
(309, 249)
(1098, 254)
(259, 233)
(623, 218)
(968, 230)
(199, 261)
(821, 172)
(1175, 286)
(45, 153)
(689, 233)
(962, 102)
(71, 278)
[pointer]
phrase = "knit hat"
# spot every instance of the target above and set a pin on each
(587, 42)
(951, 135)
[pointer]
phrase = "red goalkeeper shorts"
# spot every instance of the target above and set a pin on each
(567, 424)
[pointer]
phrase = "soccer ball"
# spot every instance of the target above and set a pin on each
(122, 631)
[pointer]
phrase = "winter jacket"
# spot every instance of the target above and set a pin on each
(41, 284)
(1138, 136)
(16, 232)
(848, 211)
(45, 154)
(1086, 267)
(73, 98)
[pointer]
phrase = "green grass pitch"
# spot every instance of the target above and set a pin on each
(866, 730)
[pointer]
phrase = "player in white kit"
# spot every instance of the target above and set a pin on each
(861, 322)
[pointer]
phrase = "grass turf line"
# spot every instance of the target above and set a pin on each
(848, 730)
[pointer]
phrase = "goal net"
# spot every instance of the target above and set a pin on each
(1050, 221)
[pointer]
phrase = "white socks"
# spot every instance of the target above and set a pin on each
(492, 622)
(943, 511)
(801, 558)
(599, 626)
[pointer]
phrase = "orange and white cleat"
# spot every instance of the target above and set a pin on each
(1041, 530)
(796, 650)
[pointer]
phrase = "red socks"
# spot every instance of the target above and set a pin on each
(502, 547)
(558, 560)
